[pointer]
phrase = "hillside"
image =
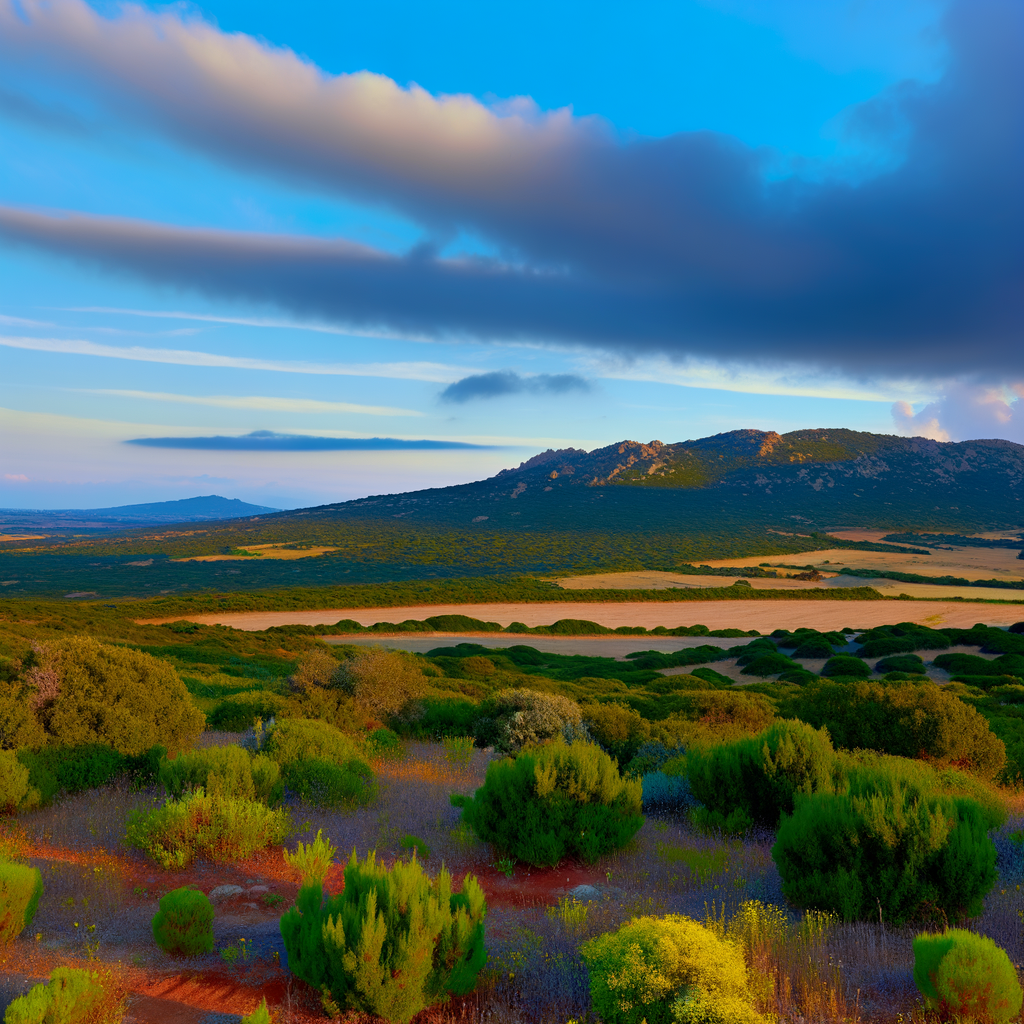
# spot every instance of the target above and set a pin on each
(186, 510)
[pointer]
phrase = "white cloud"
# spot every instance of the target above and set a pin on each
(966, 412)
(435, 372)
(17, 321)
(17, 477)
(264, 403)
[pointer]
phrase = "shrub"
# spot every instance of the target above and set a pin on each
(904, 718)
(761, 775)
(434, 717)
(381, 682)
(814, 648)
(887, 845)
(749, 711)
(116, 696)
(458, 750)
(385, 743)
(513, 719)
(219, 827)
(668, 969)
(184, 923)
(229, 770)
(651, 757)
(297, 738)
(315, 668)
(73, 996)
(392, 943)
(15, 792)
(666, 794)
(312, 860)
(19, 726)
(73, 769)
(20, 889)
(261, 1015)
(555, 801)
(846, 666)
(238, 711)
(619, 729)
(967, 975)
(770, 664)
(900, 663)
(324, 784)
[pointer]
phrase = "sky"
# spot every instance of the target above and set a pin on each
(300, 253)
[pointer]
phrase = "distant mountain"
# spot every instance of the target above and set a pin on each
(807, 478)
(187, 510)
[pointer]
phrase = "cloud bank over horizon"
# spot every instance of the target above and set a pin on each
(686, 245)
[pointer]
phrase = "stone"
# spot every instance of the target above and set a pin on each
(259, 888)
(585, 893)
(225, 892)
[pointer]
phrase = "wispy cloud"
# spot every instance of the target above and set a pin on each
(268, 441)
(501, 383)
(17, 321)
(263, 403)
(434, 372)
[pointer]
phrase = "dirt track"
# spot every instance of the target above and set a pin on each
(761, 615)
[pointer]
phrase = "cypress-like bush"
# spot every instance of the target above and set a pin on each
(184, 922)
(392, 943)
(21, 887)
(668, 970)
(886, 845)
(756, 779)
(556, 801)
(73, 996)
(966, 975)
(229, 770)
(261, 1015)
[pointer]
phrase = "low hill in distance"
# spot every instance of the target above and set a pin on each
(187, 510)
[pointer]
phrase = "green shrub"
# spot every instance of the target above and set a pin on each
(886, 845)
(513, 719)
(901, 663)
(385, 743)
(216, 826)
(238, 711)
(904, 718)
(261, 1015)
(846, 666)
(115, 696)
(20, 889)
(761, 775)
(556, 801)
(417, 846)
(392, 943)
(619, 729)
(324, 784)
(229, 770)
(73, 996)
(294, 739)
(312, 860)
(966, 975)
(814, 648)
(665, 970)
(769, 664)
(16, 794)
(184, 923)
(19, 726)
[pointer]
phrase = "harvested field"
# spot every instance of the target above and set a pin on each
(761, 615)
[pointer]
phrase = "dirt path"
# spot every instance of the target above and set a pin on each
(761, 615)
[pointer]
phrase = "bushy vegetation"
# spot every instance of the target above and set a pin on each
(72, 996)
(966, 976)
(513, 719)
(214, 825)
(15, 792)
(296, 739)
(555, 801)
(392, 943)
(668, 970)
(325, 784)
(21, 887)
(756, 780)
(230, 770)
(888, 844)
(184, 922)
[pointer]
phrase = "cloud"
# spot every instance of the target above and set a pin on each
(967, 412)
(435, 372)
(681, 246)
(17, 321)
(18, 477)
(505, 382)
(268, 441)
(261, 402)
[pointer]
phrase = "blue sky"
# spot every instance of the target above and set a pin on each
(503, 227)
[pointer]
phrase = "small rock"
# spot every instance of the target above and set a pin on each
(260, 888)
(225, 892)
(251, 906)
(584, 893)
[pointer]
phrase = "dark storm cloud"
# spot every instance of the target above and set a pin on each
(505, 382)
(679, 246)
(268, 441)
